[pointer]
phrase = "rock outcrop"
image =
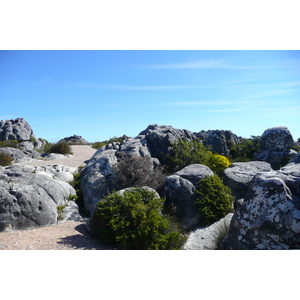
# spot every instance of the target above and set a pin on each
(238, 175)
(217, 140)
(20, 155)
(17, 129)
(160, 138)
(275, 146)
(270, 215)
(75, 140)
(179, 190)
(30, 198)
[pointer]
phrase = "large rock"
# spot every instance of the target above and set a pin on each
(97, 177)
(276, 139)
(179, 190)
(238, 175)
(209, 237)
(20, 155)
(160, 139)
(30, 199)
(275, 158)
(270, 215)
(180, 200)
(275, 147)
(75, 140)
(194, 173)
(17, 129)
(216, 140)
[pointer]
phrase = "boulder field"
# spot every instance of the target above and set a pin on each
(267, 190)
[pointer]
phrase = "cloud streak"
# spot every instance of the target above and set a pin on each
(136, 88)
(203, 64)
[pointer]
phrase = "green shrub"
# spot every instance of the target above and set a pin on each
(214, 199)
(61, 147)
(246, 149)
(5, 160)
(134, 221)
(184, 153)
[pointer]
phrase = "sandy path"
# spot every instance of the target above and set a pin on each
(81, 153)
(67, 236)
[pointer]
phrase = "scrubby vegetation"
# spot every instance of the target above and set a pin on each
(137, 171)
(214, 199)
(114, 139)
(245, 150)
(12, 144)
(134, 221)
(5, 160)
(184, 153)
(61, 147)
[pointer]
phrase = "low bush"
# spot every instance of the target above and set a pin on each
(184, 153)
(10, 143)
(61, 147)
(114, 139)
(218, 163)
(5, 160)
(134, 221)
(245, 150)
(214, 199)
(137, 171)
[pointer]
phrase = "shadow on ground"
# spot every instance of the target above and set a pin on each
(83, 240)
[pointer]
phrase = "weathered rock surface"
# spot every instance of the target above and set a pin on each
(20, 155)
(17, 129)
(275, 158)
(160, 138)
(217, 141)
(179, 190)
(75, 140)
(270, 215)
(276, 139)
(194, 173)
(30, 199)
(275, 146)
(238, 175)
(209, 237)
(97, 177)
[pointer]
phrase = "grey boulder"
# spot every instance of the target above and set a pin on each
(30, 199)
(216, 140)
(17, 129)
(270, 215)
(194, 173)
(238, 175)
(75, 140)
(20, 155)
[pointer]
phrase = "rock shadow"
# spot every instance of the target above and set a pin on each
(83, 240)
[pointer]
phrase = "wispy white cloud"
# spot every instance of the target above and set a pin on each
(131, 87)
(228, 109)
(203, 64)
(206, 103)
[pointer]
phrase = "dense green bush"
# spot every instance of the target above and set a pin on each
(214, 199)
(246, 149)
(184, 153)
(61, 147)
(5, 160)
(137, 171)
(134, 221)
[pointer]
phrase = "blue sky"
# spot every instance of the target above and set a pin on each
(100, 94)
